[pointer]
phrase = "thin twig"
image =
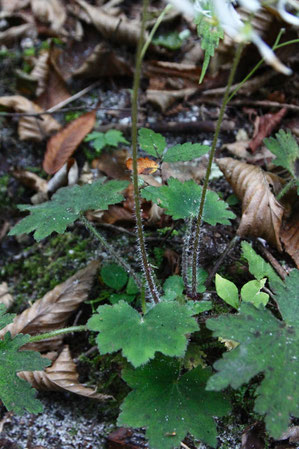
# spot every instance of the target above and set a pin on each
(274, 262)
(219, 262)
(265, 103)
(74, 108)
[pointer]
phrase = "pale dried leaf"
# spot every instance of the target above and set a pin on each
(40, 71)
(35, 128)
(5, 297)
(292, 434)
(31, 180)
(16, 32)
(61, 376)
(261, 212)
(54, 309)
(289, 235)
(61, 146)
(163, 99)
(117, 29)
(49, 11)
(67, 175)
(13, 5)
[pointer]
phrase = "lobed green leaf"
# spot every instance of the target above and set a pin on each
(66, 206)
(17, 394)
(163, 328)
(170, 405)
(182, 200)
(5, 318)
(185, 152)
(286, 150)
(151, 142)
(268, 346)
(210, 35)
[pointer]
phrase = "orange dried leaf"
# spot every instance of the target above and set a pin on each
(61, 146)
(261, 212)
(145, 165)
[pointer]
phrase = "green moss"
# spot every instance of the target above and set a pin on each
(43, 266)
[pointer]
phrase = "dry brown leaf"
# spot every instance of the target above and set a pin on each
(289, 235)
(104, 61)
(61, 376)
(113, 164)
(49, 11)
(117, 29)
(61, 146)
(5, 297)
(264, 126)
(54, 309)
(35, 128)
(261, 212)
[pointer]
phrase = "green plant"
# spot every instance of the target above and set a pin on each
(111, 138)
(169, 396)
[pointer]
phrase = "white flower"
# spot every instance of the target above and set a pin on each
(232, 24)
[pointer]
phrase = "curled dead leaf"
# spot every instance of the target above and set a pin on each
(5, 297)
(16, 32)
(117, 29)
(145, 165)
(49, 11)
(61, 146)
(35, 128)
(163, 99)
(31, 180)
(53, 310)
(263, 127)
(261, 212)
(13, 5)
(104, 61)
(51, 87)
(61, 376)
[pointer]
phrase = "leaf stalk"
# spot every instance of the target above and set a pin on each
(195, 253)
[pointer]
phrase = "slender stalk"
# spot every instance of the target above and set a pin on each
(66, 330)
(112, 251)
(286, 188)
(154, 29)
(211, 156)
(276, 46)
(153, 292)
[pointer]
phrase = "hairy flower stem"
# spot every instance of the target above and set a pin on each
(285, 189)
(195, 253)
(66, 330)
(152, 289)
(112, 251)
